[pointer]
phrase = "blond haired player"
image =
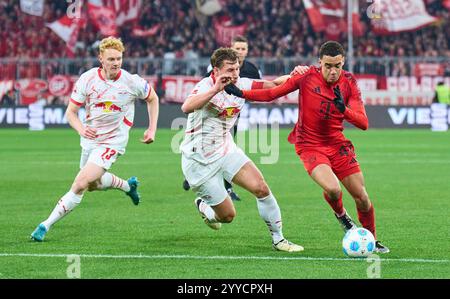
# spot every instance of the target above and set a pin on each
(209, 154)
(108, 94)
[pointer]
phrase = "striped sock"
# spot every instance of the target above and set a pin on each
(270, 212)
(66, 204)
(110, 181)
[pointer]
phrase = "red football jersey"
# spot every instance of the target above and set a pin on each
(319, 121)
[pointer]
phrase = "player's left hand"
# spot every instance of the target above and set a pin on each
(233, 90)
(149, 136)
(339, 100)
(299, 70)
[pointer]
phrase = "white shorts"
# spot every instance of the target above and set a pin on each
(207, 180)
(101, 156)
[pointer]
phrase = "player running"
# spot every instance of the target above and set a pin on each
(328, 96)
(209, 154)
(108, 94)
(246, 70)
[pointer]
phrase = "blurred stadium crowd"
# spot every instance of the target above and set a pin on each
(280, 35)
(279, 28)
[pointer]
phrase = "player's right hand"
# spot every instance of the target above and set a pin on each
(222, 81)
(88, 133)
(299, 70)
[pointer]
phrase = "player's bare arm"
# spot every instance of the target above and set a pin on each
(298, 70)
(153, 113)
(195, 102)
(266, 95)
(74, 121)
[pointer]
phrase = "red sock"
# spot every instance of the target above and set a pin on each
(336, 205)
(367, 220)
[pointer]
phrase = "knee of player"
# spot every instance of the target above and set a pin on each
(362, 197)
(80, 185)
(228, 217)
(262, 190)
(334, 192)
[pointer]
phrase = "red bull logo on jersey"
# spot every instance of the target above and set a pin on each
(108, 107)
(229, 112)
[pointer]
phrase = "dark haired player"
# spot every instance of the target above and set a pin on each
(328, 96)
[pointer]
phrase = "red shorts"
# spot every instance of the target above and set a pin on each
(340, 157)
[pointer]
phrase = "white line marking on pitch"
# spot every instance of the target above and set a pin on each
(299, 258)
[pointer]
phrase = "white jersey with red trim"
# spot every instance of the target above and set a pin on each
(109, 105)
(207, 136)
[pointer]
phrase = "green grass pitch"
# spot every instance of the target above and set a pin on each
(407, 176)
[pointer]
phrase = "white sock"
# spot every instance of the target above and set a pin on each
(110, 181)
(66, 204)
(270, 211)
(208, 211)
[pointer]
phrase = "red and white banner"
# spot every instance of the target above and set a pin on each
(357, 25)
(376, 90)
(414, 84)
(428, 69)
(400, 15)
(32, 7)
(5, 86)
(108, 15)
(67, 28)
(59, 85)
(30, 89)
(390, 98)
(126, 10)
(139, 32)
(225, 32)
(103, 18)
(331, 17)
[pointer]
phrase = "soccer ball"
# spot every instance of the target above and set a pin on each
(358, 242)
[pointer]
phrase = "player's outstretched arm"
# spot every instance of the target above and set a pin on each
(267, 95)
(74, 121)
(153, 113)
(197, 101)
(263, 84)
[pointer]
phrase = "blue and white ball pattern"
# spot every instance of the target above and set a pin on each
(358, 242)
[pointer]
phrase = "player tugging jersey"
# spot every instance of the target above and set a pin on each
(319, 123)
(207, 136)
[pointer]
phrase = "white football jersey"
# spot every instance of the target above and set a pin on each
(109, 105)
(207, 136)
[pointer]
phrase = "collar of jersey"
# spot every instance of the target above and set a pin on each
(99, 71)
